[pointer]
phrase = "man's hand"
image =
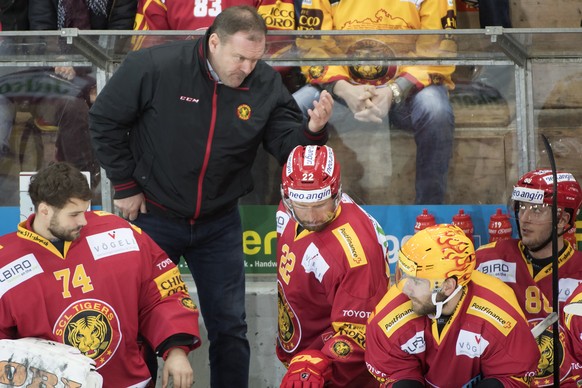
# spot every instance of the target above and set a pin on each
(66, 72)
(321, 112)
(377, 107)
(178, 367)
(357, 97)
(130, 207)
(308, 369)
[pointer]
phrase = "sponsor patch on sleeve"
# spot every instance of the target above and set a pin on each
(351, 245)
(486, 310)
(567, 287)
(397, 318)
(282, 221)
(112, 242)
(170, 282)
(414, 345)
(18, 271)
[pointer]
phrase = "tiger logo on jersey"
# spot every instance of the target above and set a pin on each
(288, 324)
(545, 370)
(92, 327)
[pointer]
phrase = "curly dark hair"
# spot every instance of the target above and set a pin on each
(57, 184)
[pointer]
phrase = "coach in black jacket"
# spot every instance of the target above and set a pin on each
(177, 129)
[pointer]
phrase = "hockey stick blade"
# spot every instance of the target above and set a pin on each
(548, 321)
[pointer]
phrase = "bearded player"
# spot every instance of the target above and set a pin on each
(525, 264)
(94, 281)
(332, 270)
(446, 325)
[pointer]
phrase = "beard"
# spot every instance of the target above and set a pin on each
(62, 233)
(423, 308)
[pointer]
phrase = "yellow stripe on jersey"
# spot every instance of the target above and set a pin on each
(351, 245)
(501, 289)
(500, 319)
(568, 317)
(397, 318)
(488, 245)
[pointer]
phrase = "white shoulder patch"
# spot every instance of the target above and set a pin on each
(470, 344)
(414, 345)
(113, 242)
(18, 271)
(313, 262)
(282, 221)
(502, 270)
(567, 287)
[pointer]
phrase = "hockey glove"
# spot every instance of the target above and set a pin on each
(308, 369)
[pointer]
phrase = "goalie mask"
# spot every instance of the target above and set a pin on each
(437, 253)
(310, 178)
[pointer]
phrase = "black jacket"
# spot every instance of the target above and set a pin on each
(14, 15)
(120, 16)
(163, 126)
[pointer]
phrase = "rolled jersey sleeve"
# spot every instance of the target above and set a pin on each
(167, 314)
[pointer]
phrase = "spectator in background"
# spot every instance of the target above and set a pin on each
(525, 264)
(179, 164)
(444, 324)
(13, 15)
(414, 98)
(492, 12)
(84, 15)
(333, 270)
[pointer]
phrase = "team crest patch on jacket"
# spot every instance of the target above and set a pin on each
(243, 112)
(92, 326)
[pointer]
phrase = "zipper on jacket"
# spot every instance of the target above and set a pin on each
(206, 155)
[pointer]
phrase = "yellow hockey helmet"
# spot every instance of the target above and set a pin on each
(438, 253)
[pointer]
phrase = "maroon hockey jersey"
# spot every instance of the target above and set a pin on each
(486, 337)
(110, 284)
(328, 283)
(507, 261)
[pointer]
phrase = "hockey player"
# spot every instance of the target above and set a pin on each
(525, 264)
(573, 329)
(94, 281)
(332, 270)
(444, 324)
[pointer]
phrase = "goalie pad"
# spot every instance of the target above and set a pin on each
(39, 362)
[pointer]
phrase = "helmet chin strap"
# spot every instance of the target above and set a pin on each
(439, 305)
